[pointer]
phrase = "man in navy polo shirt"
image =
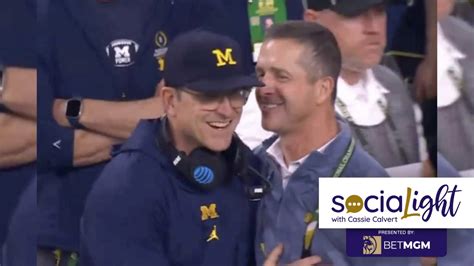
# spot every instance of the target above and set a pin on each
(174, 194)
(17, 105)
(99, 73)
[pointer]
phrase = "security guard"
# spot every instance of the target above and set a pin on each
(17, 105)
(299, 64)
(99, 73)
(174, 194)
(372, 98)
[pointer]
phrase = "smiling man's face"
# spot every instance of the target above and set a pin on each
(287, 99)
(196, 125)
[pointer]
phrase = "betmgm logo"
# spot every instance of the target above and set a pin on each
(372, 245)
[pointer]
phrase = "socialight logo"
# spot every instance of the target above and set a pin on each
(395, 202)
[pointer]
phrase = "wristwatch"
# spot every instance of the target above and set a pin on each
(73, 112)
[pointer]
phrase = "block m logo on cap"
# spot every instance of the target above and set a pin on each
(224, 58)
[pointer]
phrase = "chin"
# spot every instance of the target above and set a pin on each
(373, 60)
(218, 145)
(269, 126)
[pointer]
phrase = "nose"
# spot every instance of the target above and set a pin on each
(225, 107)
(268, 88)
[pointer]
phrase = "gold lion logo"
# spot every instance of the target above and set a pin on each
(372, 245)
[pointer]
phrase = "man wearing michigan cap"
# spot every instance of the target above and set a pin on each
(175, 192)
(373, 99)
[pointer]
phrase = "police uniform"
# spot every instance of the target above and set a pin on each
(456, 89)
(281, 214)
(16, 50)
(107, 50)
(154, 205)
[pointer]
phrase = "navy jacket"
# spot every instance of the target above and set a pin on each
(74, 62)
(81, 57)
(142, 212)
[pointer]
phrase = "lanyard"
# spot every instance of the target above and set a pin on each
(311, 219)
(363, 140)
(459, 83)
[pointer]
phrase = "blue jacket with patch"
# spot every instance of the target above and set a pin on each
(142, 212)
(281, 213)
(82, 55)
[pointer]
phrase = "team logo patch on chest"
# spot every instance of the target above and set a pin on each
(122, 52)
(161, 41)
(209, 212)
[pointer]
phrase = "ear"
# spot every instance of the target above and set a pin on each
(158, 87)
(324, 90)
(168, 97)
(310, 15)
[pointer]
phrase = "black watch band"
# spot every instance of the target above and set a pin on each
(73, 112)
(74, 122)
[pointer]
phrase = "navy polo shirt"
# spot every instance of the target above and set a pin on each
(17, 48)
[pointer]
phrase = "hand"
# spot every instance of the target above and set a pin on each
(59, 112)
(272, 259)
(425, 80)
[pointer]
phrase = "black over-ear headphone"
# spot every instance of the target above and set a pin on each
(206, 169)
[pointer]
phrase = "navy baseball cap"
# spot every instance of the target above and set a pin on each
(347, 8)
(206, 62)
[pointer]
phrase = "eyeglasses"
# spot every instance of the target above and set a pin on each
(237, 98)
